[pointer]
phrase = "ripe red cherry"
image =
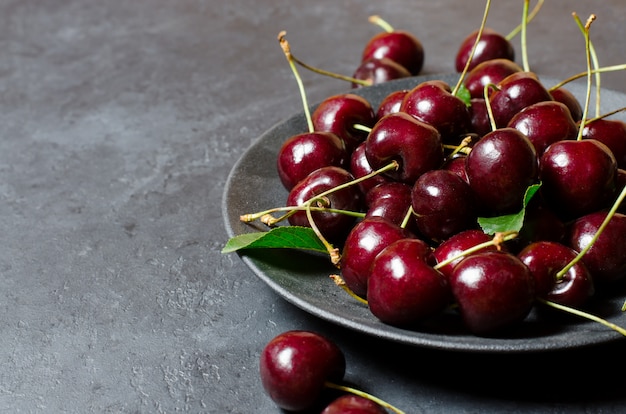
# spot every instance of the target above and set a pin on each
(339, 113)
(415, 145)
(494, 291)
(490, 72)
(432, 102)
(378, 71)
(403, 287)
(333, 226)
(606, 259)
(391, 103)
(492, 45)
(443, 204)
(546, 259)
(304, 153)
(578, 177)
(368, 238)
(353, 404)
(568, 99)
(545, 123)
(399, 46)
(295, 365)
(360, 167)
(514, 93)
(500, 167)
(610, 132)
(481, 124)
(458, 244)
(391, 200)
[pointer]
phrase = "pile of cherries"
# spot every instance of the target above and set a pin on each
(400, 188)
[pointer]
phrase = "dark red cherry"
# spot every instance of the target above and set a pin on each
(378, 71)
(610, 132)
(490, 72)
(443, 204)
(304, 153)
(332, 225)
(545, 123)
(399, 46)
(457, 244)
(500, 168)
(493, 290)
(456, 165)
(481, 123)
(514, 93)
(360, 167)
(404, 288)
(391, 103)
(546, 259)
(340, 113)
(568, 99)
(353, 404)
(415, 145)
(391, 200)
(606, 259)
(432, 102)
(368, 238)
(577, 177)
(492, 45)
(295, 366)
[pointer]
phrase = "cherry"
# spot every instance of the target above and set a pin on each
(391, 103)
(443, 204)
(403, 287)
(456, 164)
(353, 404)
(296, 365)
(379, 70)
(500, 167)
(332, 225)
(391, 200)
(493, 290)
(578, 177)
(432, 102)
(368, 238)
(546, 259)
(545, 123)
(612, 133)
(399, 46)
(540, 224)
(568, 99)
(360, 167)
(304, 153)
(492, 45)
(514, 93)
(606, 259)
(415, 145)
(340, 113)
(479, 114)
(457, 244)
(490, 72)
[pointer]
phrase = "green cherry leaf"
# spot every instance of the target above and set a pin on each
(283, 237)
(464, 94)
(509, 222)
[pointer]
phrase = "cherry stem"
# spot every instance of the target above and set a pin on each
(596, 65)
(605, 223)
(613, 68)
(606, 114)
(333, 252)
(342, 284)
(531, 16)
(379, 21)
(361, 127)
(524, 43)
(492, 120)
(497, 241)
(584, 315)
(266, 218)
(287, 51)
(590, 20)
(471, 56)
(364, 395)
(405, 221)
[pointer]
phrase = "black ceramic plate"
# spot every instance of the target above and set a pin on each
(302, 279)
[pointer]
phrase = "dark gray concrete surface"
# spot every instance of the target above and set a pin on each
(119, 122)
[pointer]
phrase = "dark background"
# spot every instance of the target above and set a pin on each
(120, 121)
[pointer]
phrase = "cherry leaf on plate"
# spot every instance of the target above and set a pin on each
(508, 222)
(284, 237)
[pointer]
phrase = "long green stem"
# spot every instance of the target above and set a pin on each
(613, 68)
(524, 44)
(531, 16)
(584, 315)
(364, 395)
(589, 76)
(596, 64)
(498, 239)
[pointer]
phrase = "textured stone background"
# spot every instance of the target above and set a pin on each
(119, 122)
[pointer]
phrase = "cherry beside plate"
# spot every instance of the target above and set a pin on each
(303, 279)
